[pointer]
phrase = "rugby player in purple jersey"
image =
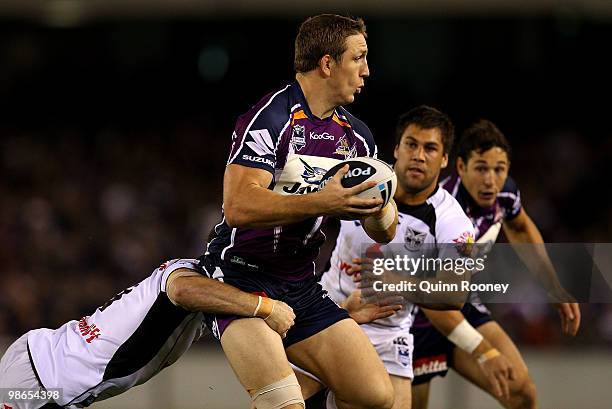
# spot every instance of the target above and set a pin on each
(470, 341)
(273, 211)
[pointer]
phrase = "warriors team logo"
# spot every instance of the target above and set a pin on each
(414, 239)
(342, 148)
(312, 174)
(298, 137)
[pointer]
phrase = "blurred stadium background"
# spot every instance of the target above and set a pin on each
(116, 120)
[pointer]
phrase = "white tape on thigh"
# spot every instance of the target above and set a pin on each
(279, 394)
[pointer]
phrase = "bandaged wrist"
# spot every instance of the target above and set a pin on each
(264, 309)
(465, 337)
(383, 220)
(490, 354)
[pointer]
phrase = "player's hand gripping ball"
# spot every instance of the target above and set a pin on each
(365, 169)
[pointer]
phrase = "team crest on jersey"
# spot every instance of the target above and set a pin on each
(298, 137)
(464, 243)
(343, 148)
(414, 239)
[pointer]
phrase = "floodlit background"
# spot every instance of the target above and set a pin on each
(116, 119)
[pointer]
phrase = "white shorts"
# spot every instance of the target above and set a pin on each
(16, 373)
(394, 347)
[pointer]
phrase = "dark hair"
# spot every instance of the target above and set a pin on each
(427, 117)
(480, 137)
(321, 35)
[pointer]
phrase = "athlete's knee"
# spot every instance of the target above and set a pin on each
(383, 398)
(380, 396)
(525, 397)
(282, 394)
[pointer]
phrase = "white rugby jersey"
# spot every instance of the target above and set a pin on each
(421, 229)
(122, 344)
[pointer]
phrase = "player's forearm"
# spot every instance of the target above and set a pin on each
(260, 208)
(381, 227)
(456, 328)
(531, 250)
(198, 293)
(444, 321)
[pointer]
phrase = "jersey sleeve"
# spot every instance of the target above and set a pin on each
(510, 199)
(454, 232)
(257, 133)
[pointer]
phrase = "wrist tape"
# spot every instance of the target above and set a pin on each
(382, 221)
(265, 308)
(465, 337)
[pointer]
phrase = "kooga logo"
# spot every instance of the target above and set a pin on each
(355, 173)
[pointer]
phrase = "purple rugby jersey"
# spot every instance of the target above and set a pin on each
(506, 207)
(487, 221)
(280, 135)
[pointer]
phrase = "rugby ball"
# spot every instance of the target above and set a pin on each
(365, 169)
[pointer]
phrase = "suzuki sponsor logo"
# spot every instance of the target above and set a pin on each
(258, 159)
(324, 135)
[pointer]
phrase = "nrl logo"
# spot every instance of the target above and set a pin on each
(298, 137)
(413, 240)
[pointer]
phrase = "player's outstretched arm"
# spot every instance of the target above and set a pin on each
(248, 202)
(496, 367)
(522, 229)
(194, 292)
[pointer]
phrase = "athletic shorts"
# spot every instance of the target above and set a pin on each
(395, 348)
(314, 310)
(17, 374)
(433, 352)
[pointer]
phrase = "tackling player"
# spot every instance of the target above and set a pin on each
(272, 214)
(128, 340)
(486, 356)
